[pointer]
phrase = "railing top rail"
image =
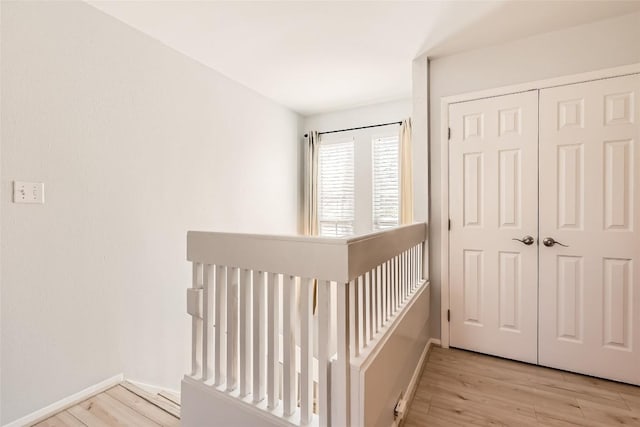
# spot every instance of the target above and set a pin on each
(335, 259)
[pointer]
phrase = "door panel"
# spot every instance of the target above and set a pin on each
(493, 157)
(590, 200)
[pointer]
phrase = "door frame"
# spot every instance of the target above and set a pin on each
(444, 160)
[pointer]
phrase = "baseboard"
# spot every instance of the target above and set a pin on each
(415, 378)
(61, 405)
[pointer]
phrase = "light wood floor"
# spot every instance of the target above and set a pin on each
(457, 388)
(122, 405)
(460, 388)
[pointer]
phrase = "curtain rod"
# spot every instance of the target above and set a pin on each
(361, 127)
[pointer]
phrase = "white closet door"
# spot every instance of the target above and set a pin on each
(493, 158)
(590, 201)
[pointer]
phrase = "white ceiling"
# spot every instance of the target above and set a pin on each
(319, 56)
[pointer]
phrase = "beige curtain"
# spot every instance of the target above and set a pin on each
(311, 197)
(311, 184)
(406, 173)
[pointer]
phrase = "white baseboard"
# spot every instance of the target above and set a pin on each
(415, 378)
(67, 402)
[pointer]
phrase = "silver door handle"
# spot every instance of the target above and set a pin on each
(550, 241)
(527, 240)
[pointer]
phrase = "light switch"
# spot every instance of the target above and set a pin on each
(28, 192)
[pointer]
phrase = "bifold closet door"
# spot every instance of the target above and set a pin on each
(493, 194)
(590, 201)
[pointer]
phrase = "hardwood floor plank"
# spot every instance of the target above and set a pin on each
(162, 403)
(632, 400)
(62, 419)
(171, 397)
(589, 394)
(484, 400)
(509, 391)
(609, 415)
(551, 419)
(87, 416)
(143, 407)
(103, 409)
(482, 413)
(602, 384)
(465, 388)
(438, 418)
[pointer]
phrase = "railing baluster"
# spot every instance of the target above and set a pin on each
(389, 291)
(232, 328)
(374, 303)
(385, 272)
(220, 341)
(289, 346)
(341, 400)
(415, 267)
(324, 312)
(379, 299)
(408, 274)
(396, 268)
(273, 336)
(407, 263)
(354, 318)
(417, 263)
(259, 333)
(245, 332)
(362, 313)
(306, 352)
(420, 260)
(208, 276)
(196, 324)
(367, 308)
(385, 285)
(404, 276)
(392, 288)
(392, 278)
(412, 270)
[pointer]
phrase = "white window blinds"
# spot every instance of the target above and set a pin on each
(336, 189)
(386, 185)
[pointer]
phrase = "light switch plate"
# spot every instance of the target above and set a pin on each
(28, 192)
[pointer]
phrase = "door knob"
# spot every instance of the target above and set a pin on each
(527, 240)
(550, 241)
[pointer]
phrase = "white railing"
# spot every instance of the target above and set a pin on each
(259, 303)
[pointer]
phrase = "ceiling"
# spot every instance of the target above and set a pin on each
(320, 56)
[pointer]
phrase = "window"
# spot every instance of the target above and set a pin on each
(386, 185)
(358, 181)
(336, 189)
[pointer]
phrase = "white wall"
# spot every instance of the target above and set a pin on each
(136, 144)
(362, 116)
(603, 44)
(0, 216)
